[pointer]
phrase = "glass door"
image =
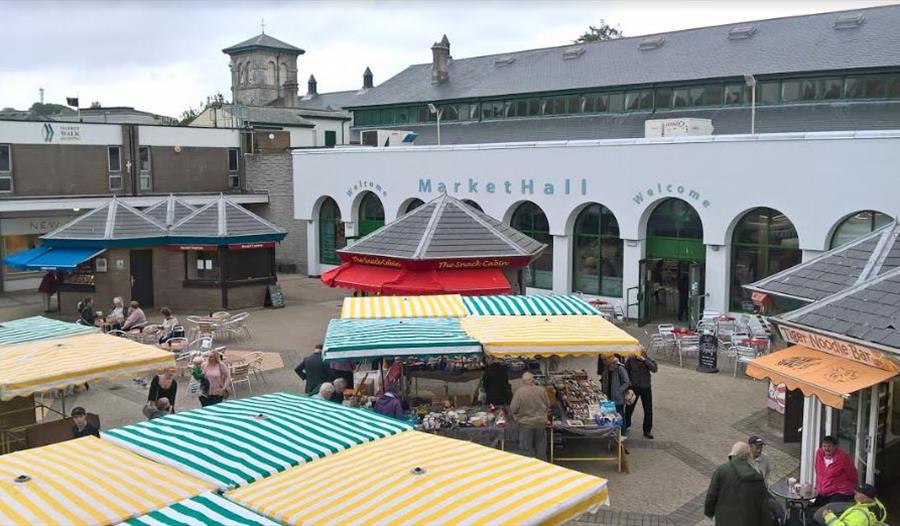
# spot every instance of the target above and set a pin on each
(696, 292)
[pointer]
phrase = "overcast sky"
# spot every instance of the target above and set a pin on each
(165, 55)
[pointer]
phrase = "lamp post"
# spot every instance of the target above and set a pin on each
(750, 80)
(438, 112)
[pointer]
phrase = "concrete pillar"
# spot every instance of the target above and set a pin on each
(312, 248)
(562, 264)
(808, 444)
(632, 255)
(717, 271)
(810, 254)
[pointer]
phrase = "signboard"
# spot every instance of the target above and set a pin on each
(776, 397)
(844, 349)
(201, 248)
(274, 296)
(708, 356)
(248, 246)
(439, 264)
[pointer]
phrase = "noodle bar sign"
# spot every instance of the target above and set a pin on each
(844, 349)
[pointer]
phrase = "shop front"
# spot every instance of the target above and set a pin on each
(18, 233)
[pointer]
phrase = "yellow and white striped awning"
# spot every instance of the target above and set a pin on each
(86, 481)
(53, 364)
(436, 306)
(460, 483)
(531, 336)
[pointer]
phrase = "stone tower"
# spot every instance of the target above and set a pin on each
(263, 72)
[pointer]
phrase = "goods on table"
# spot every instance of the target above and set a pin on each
(582, 400)
(448, 364)
(460, 417)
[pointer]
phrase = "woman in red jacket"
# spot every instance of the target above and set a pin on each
(836, 476)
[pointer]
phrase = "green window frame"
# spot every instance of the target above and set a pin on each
(675, 231)
(371, 214)
(764, 242)
(597, 252)
(531, 220)
(331, 233)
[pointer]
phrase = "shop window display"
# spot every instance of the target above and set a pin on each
(202, 265)
(598, 252)
(531, 221)
(764, 242)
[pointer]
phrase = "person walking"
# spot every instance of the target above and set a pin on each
(529, 407)
(866, 510)
(48, 287)
(614, 380)
(737, 494)
(836, 476)
(758, 459)
(82, 427)
(164, 386)
(313, 371)
(219, 377)
(639, 369)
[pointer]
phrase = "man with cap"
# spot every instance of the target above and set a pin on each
(758, 459)
(866, 510)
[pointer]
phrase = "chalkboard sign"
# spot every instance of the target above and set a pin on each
(274, 296)
(709, 353)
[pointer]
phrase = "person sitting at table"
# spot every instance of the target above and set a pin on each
(168, 325)
(86, 311)
(326, 391)
(136, 318)
(82, 427)
(388, 404)
(117, 315)
(340, 385)
(164, 386)
(495, 382)
(836, 476)
(866, 510)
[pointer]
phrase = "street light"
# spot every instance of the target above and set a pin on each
(750, 80)
(437, 111)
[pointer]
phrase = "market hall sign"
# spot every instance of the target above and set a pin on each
(666, 189)
(522, 186)
(840, 348)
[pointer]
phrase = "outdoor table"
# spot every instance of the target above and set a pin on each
(591, 431)
(681, 331)
(795, 505)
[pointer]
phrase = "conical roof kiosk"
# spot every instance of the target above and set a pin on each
(444, 246)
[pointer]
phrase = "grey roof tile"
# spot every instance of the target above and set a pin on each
(791, 44)
(262, 41)
(112, 221)
(169, 211)
(333, 101)
(223, 218)
(445, 228)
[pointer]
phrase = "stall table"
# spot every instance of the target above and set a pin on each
(593, 432)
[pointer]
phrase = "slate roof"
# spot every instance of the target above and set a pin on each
(270, 115)
(792, 44)
(114, 220)
(262, 41)
(869, 312)
(223, 218)
(838, 269)
(169, 211)
(445, 227)
(333, 101)
(845, 116)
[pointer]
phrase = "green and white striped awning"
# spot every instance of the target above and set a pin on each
(239, 441)
(39, 328)
(355, 339)
(537, 305)
(202, 510)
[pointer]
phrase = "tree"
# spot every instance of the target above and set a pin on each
(602, 32)
(189, 114)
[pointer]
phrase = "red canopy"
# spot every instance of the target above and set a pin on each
(399, 281)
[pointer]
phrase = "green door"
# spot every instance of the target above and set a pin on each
(330, 138)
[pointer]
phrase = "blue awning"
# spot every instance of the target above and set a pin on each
(52, 258)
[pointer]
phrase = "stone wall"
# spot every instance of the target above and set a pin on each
(273, 172)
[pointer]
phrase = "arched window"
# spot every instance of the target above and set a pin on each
(675, 232)
(282, 74)
(331, 232)
(858, 225)
(764, 242)
(270, 74)
(241, 74)
(473, 204)
(371, 214)
(412, 205)
(598, 252)
(531, 221)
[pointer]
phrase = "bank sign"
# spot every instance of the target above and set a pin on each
(472, 186)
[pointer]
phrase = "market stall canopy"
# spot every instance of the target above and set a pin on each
(239, 441)
(224, 221)
(362, 339)
(532, 336)
(390, 281)
(206, 509)
(46, 257)
(39, 328)
(86, 481)
(43, 365)
(535, 305)
(417, 478)
(435, 306)
(113, 224)
(829, 378)
(169, 211)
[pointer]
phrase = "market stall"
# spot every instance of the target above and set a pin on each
(240, 441)
(39, 328)
(415, 478)
(396, 337)
(535, 305)
(86, 481)
(206, 509)
(431, 306)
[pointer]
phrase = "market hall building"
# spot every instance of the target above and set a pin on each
(679, 222)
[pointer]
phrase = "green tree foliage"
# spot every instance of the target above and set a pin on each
(602, 32)
(50, 109)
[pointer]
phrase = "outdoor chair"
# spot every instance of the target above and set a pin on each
(183, 361)
(743, 354)
(221, 315)
(118, 332)
(688, 346)
(657, 344)
(667, 331)
(240, 373)
(150, 334)
(176, 344)
(254, 360)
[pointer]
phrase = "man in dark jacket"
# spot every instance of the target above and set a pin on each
(737, 494)
(639, 369)
(495, 382)
(313, 371)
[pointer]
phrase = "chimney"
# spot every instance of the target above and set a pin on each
(367, 78)
(440, 64)
(290, 94)
(311, 87)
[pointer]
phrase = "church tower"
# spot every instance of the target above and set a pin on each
(264, 72)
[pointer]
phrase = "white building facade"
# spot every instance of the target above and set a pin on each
(724, 210)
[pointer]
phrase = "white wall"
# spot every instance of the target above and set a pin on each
(74, 133)
(302, 137)
(188, 136)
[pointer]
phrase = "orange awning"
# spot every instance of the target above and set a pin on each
(829, 378)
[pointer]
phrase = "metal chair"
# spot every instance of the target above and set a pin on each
(743, 354)
(221, 315)
(667, 331)
(688, 346)
(240, 373)
(254, 360)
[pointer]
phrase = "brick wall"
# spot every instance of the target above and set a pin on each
(274, 172)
